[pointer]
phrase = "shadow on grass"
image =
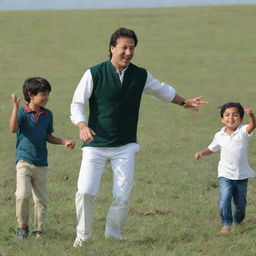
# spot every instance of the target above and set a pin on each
(146, 241)
(154, 212)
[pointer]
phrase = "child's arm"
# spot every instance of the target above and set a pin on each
(204, 152)
(54, 140)
(252, 123)
(13, 123)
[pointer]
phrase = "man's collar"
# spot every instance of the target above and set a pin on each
(117, 70)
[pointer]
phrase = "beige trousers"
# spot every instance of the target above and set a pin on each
(31, 180)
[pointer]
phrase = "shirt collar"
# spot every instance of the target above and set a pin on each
(29, 110)
(123, 71)
(222, 131)
(121, 76)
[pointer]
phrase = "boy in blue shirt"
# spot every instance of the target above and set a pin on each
(33, 125)
(233, 169)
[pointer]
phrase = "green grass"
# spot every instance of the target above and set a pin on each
(205, 51)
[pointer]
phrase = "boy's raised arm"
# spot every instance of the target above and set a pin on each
(252, 122)
(13, 123)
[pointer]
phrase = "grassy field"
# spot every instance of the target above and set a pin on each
(205, 51)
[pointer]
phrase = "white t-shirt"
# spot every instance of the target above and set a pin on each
(233, 162)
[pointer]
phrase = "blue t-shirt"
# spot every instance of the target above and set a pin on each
(32, 136)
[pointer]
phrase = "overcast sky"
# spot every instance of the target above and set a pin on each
(102, 4)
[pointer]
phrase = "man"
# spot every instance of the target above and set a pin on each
(113, 90)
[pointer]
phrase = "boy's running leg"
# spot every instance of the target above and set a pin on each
(40, 192)
(23, 194)
(240, 202)
(225, 199)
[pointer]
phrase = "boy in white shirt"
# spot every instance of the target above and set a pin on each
(233, 168)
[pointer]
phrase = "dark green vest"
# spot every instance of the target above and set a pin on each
(114, 108)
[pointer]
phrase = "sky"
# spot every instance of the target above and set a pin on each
(109, 4)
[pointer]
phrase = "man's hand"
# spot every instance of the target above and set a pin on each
(195, 103)
(86, 134)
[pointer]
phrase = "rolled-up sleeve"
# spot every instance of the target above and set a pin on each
(159, 90)
(81, 97)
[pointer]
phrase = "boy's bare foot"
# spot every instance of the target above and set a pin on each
(239, 227)
(225, 229)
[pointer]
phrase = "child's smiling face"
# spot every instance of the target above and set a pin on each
(231, 118)
(40, 99)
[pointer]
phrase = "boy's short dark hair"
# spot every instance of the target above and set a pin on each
(121, 32)
(34, 85)
(232, 105)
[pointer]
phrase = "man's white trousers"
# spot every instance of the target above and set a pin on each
(94, 160)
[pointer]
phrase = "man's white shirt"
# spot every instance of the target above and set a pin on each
(84, 89)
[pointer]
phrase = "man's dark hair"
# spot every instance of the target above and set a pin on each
(34, 85)
(121, 32)
(232, 105)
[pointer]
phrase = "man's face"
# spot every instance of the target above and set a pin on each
(123, 52)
